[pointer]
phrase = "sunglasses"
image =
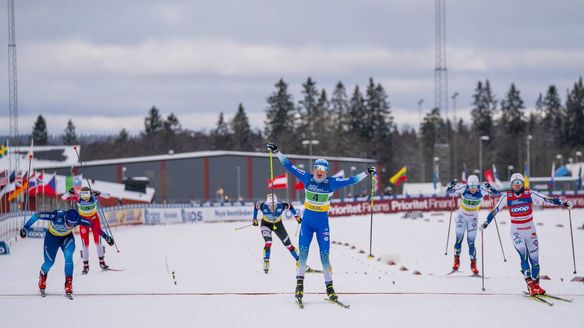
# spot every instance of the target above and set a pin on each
(517, 182)
(320, 168)
(473, 186)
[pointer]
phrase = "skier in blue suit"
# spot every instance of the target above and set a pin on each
(318, 189)
(59, 235)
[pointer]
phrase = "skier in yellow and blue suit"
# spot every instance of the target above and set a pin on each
(318, 189)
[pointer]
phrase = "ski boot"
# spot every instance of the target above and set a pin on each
(85, 267)
(299, 293)
(42, 282)
(102, 264)
(68, 286)
(330, 292)
(266, 265)
(456, 263)
(537, 288)
(533, 287)
(473, 267)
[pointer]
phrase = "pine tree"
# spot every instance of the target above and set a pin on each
(512, 125)
(307, 108)
(430, 132)
(39, 134)
(357, 113)
(242, 134)
(484, 110)
(153, 123)
(340, 120)
(574, 130)
(279, 125)
(122, 137)
(171, 125)
(69, 136)
(221, 135)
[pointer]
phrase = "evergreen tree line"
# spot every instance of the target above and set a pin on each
(359, 123)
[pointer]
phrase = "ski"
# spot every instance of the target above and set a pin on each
(554, 297)
(69, 296)
(339, 303)
(113, 269)
(538, 298)
(300, 304)
(453, 271)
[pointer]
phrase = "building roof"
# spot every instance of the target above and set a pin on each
(201, 154)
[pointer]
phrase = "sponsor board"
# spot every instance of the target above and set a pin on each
(117, 217)
(163, 215)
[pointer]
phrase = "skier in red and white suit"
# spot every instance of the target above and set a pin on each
(86, 204)
(519, 201)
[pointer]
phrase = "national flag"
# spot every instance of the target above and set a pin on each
(496, 176)
(400, 176)
(279, 182)
(489, 176)
(3, 178)
(50, 188)
(375, 182)
(77, 183)
(4, 149)
(463, 176)
(20, 185)
(299, 186)
(35, 184)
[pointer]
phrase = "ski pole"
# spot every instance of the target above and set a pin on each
(449, 224)
(483, 260)
(371, 221)
(500, 243)
(96, 200)
(272, 190)
(297, 228)
(572, 238)
(26, 191)
(245, 226)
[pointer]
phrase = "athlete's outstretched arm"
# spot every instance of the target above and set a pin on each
(298, 173)
(456, 190)
(343, 182)
(540, 196)
(500, 205)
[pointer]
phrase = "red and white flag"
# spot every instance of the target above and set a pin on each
(280, 182)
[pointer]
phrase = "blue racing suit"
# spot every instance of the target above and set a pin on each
(315, 219)
(58, 236)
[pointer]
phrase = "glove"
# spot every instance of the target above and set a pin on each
(272, 147)
(487, 185)
(371, 170)
(568, 204)
(453, 183)
(483, 226)
(109, 240)
(254, 222)
(71, 191)
(298, 219)
(23, 233)
(96, 193)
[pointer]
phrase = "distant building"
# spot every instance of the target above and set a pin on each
(196, 176)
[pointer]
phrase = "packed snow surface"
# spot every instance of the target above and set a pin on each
(220, 281)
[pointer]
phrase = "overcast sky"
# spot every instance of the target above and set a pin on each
(105, 63)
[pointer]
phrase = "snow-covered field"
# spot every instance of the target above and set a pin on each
(220, 281)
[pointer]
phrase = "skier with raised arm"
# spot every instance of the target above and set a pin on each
(318, 189)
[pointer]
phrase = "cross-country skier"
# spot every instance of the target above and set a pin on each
(472, 194)
(272, 211)
(519, 201)
(318, 189)
(86, 203)
(59, 235)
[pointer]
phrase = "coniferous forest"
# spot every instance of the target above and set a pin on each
(357, 121)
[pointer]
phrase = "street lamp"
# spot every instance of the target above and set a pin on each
(559, 157)
(509, 170)
(529, 138)
(310, 143)
(578, 154)
(454, 106)
(483, 138)
(437, 170)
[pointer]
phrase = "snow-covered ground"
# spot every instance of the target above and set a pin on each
(220, 281)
